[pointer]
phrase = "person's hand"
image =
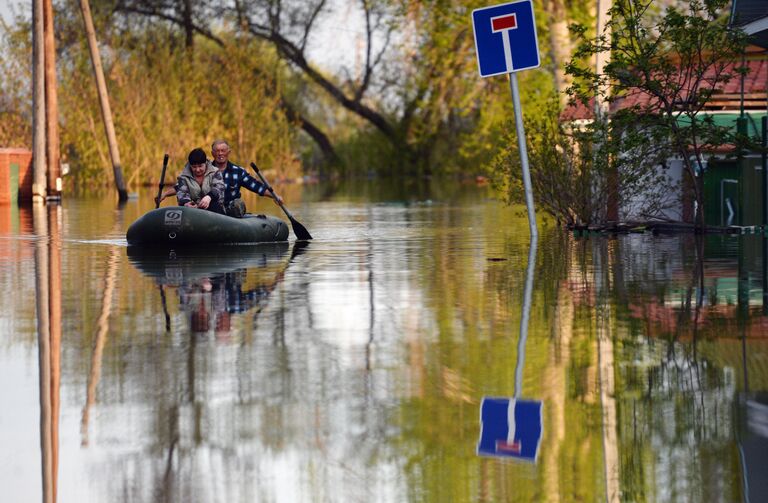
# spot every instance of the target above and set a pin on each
(191, 204)
(278, 200)
(158, 200)
(204, 202)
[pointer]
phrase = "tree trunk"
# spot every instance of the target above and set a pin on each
(189, 28)
(322, 140)
(603, 6)
(560, 42)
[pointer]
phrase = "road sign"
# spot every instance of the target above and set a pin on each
(505, 38)
(510, 428)
(505, 42)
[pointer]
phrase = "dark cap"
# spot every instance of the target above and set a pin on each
(197, 156)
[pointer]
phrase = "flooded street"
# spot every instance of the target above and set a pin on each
(355, 368)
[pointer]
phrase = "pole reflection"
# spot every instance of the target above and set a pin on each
(46, 224)
(110, 281)
(512, 427)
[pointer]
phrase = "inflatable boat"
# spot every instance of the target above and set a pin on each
(180, 225)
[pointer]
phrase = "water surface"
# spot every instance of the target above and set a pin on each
(354, 369)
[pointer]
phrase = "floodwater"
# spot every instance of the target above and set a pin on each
(357, 368)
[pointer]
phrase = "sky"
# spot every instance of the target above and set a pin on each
(5, 8)
(334, 44)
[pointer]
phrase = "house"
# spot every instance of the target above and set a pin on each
(732, 180)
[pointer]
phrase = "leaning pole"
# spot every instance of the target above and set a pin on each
(106, 111)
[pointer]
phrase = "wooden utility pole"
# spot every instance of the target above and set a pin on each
(38, 104)
(53, 150)
(106, 111)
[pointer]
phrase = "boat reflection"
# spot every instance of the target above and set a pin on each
(213, 285)
(175, 266)
(215, 282)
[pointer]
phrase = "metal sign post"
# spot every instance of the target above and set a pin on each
(521, 145)
(506, 42)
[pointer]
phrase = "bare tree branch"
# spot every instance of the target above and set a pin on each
(151, 11)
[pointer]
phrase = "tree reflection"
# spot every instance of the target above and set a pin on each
(356, 371)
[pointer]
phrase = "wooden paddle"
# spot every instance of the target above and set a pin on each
(301, 232)
(162, 179)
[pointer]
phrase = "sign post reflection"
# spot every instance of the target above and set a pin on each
(512, 427)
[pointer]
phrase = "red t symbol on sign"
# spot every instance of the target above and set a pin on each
(505, 22)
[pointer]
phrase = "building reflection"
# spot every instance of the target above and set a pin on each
(687, 314)
(47, 229)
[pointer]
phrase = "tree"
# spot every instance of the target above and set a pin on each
(663, 69)
(416, 95)
(574, 169)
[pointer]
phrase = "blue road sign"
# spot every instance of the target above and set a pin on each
(510, 428)
(505, 38)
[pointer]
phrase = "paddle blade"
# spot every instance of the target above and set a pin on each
(301, 232)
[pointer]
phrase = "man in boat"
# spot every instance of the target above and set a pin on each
(235, 177)
(200, 184)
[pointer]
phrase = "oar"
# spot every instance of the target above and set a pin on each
(301, 232)
(165, 308)
(162, 179)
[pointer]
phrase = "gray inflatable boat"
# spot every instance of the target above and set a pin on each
(180, 225)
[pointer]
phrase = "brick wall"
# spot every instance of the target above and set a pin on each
(22, 158)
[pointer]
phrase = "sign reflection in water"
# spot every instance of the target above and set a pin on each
(512, 428)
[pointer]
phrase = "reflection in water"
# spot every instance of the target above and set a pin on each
(353, 372)
(211, 281)
(512, 427)
(110, 281)
(48, 294)
(604, 337)
(752, 410)
(212, 284)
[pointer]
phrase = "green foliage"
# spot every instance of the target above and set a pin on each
(419, 79)
(164, 98)
(663, 69)
(15, 91)
(171, 100)
(575, 170)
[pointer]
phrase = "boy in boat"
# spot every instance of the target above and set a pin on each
(200, 184)
(234, 177)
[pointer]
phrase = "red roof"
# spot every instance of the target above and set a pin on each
(728, 97)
